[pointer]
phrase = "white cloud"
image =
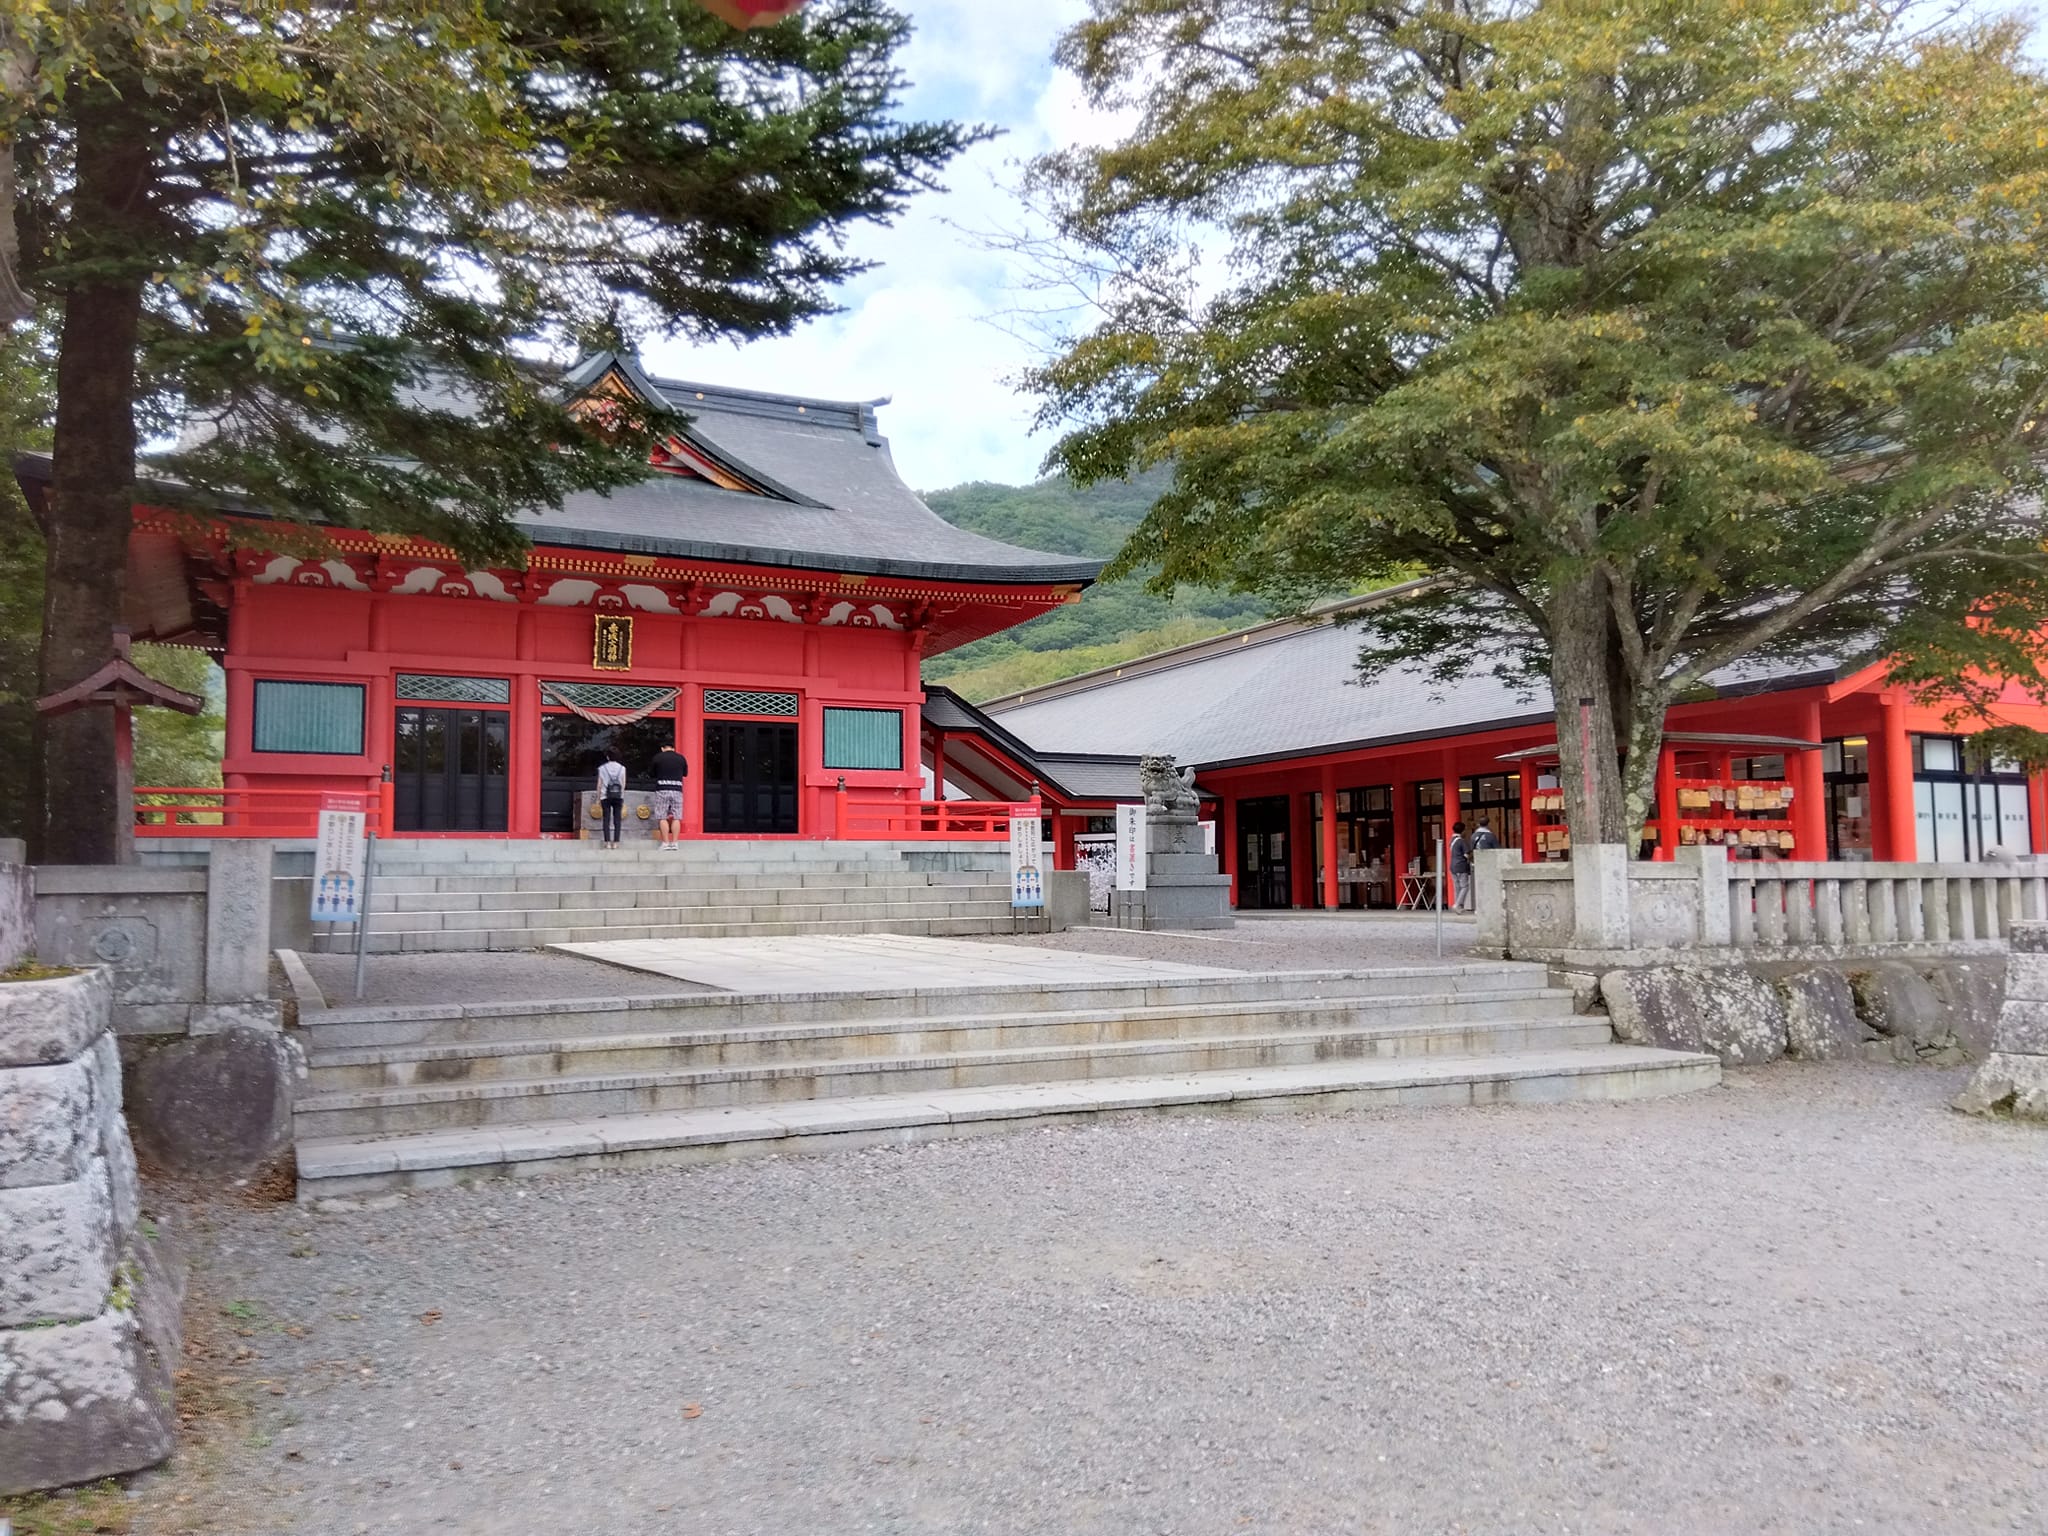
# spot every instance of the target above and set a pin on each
(926, 327)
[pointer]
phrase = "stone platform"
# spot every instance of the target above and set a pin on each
(836, 1041)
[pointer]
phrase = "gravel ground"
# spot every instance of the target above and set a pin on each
(1334, 942)
(1813, 1301)
(504, 977)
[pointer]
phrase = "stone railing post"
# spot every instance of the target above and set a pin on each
(1600, 914)
(1489, 896)
(1710, 862)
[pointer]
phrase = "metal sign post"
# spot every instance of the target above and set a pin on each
(341, 869)
(1439, 898)
(363, 917)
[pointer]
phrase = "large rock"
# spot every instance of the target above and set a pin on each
(1738, 1016)
(1904, 1009)
(2006, 1084)
(57, 1246)
(1970, 991)
(1821, 1023)
(214, 1104)
(87, 1400)
(54, 1020)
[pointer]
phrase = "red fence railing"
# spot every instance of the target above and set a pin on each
(873, 816)
(212, 811)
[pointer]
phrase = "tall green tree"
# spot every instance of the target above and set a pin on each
(1678, 335)
(336, 237)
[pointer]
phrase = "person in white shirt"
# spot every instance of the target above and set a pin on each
(611, 796)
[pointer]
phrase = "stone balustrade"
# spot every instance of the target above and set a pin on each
(1606, 903)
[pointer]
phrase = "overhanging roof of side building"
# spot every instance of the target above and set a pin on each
(1288, 688)
(758, 479)
(1010, 763)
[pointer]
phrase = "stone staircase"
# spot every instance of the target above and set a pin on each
(414, 1097)
(495, 894)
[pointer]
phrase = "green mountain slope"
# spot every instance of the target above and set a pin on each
(1113, 622)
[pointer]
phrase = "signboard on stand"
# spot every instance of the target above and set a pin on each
(1130, 847)
(340, 860)
(1027, 871)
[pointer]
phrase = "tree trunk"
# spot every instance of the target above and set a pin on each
(92, 494)
(1582, 676)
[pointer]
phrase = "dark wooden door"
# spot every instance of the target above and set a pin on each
(750, 776)
(1264, 880)
(449, 769)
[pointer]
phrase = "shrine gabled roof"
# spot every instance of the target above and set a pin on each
(821, 493)
(833, 498)
(1289, 688)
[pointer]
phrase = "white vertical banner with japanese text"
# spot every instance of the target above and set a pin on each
(1027, 869)
(1130, 847)
(339, 860)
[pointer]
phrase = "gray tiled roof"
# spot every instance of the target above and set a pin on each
(1284, 692)
(854, 513)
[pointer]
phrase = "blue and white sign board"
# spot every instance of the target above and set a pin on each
(340, 857)
(1027, 870)
(1130, 847)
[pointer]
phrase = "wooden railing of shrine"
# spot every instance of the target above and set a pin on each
(214, 811)
(873, 815)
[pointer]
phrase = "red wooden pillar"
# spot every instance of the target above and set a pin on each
(1454, 812)
(523, 748)
(1226, 839)
(1404, 828)
(1891, 785)
(1301, 860)
(690, 742)
(1062, 839)
(1528, 810)
(2037, 812)
(1330, 837)
(1809, 791)
(1667, 804)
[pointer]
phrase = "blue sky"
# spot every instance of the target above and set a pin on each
(926, 327)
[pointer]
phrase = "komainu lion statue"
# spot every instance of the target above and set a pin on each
(1167, 790)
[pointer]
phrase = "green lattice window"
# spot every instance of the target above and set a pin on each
(435, 688)
(308, 717)
(608, 695)
(743, 701)
(864, 738)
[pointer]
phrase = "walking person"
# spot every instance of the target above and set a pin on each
(611, 795)
(1461, 869)
(670, 770)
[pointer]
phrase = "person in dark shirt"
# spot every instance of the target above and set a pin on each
(669, 772)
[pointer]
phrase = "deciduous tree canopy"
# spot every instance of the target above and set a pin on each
(1679, 332)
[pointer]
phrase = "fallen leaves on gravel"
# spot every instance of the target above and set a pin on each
(428, 1319)
(693, 1410)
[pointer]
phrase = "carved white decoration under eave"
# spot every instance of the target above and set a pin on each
(490, 584)
(279, 569)
(421, 579)
(648, 599)
(862, 616)
(569, 592)
(739, 605)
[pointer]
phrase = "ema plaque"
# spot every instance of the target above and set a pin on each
(612, 647)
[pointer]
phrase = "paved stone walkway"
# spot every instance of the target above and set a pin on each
(865, 961)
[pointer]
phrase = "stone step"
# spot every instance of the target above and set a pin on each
(505, 1101)
(737, 907)
(1408, 1019)
(439, 940)
(394, 892)
(728, 1012)
(343, 1166)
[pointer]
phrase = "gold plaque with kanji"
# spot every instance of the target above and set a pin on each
(612, 649)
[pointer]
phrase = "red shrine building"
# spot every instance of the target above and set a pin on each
(765, 599)
(1333, 793)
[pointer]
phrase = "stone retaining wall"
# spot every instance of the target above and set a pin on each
(1937, 1011)
(89, 1302)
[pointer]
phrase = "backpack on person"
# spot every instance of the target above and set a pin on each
(611, 778)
